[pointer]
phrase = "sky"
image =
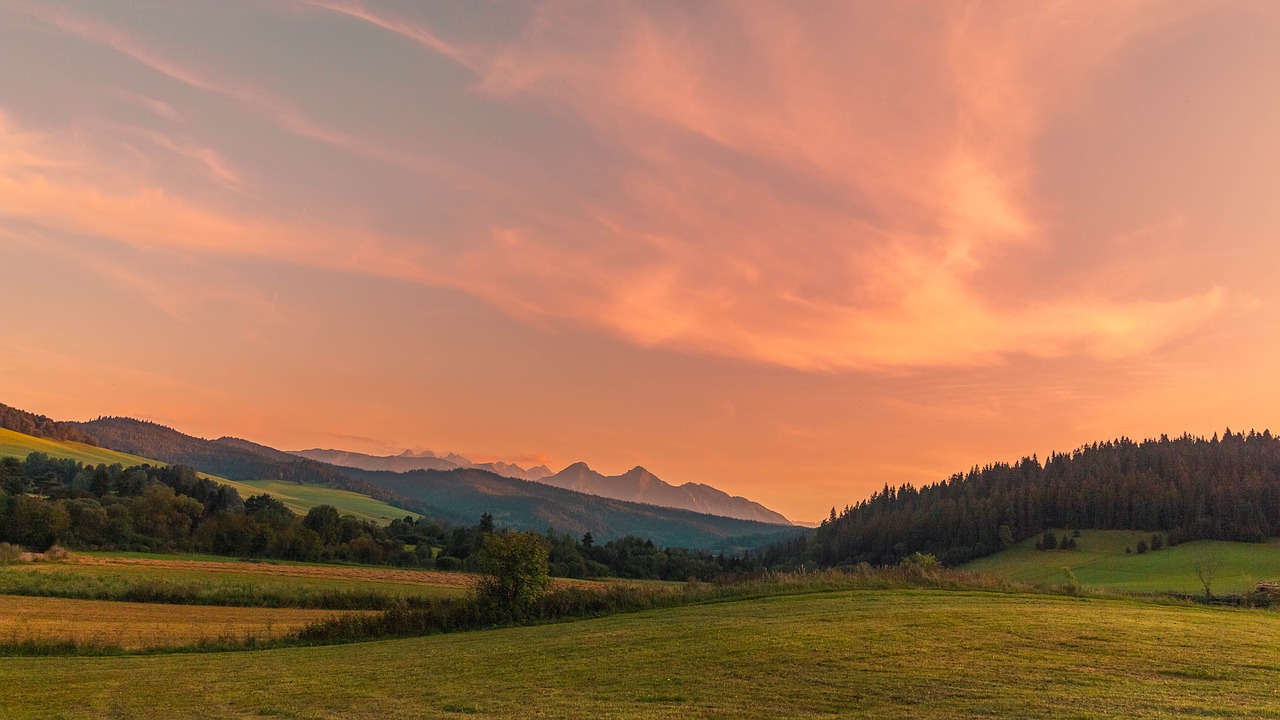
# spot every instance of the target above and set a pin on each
(793, 250)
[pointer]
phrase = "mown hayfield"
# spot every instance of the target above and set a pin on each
(879, 654)
(298, 498)
(266, 576)
(141, 625)
(1101, 562)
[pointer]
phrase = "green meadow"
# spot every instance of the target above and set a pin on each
(1100, 561)
(301, 498)
(16, 444)
(872, 653)
(298, 498)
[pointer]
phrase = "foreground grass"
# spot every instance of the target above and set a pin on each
(1100, 562)
(133, 626)
(867, 653)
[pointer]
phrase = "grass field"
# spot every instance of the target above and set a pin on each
(228, 576)
(881, 654)
(16, 444)
(141, 625)
(298, 498)
(301, 498)
(1100, 562)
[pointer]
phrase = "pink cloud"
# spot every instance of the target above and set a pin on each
(822, 191)
(912, 128)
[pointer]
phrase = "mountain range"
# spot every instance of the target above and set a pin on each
(456, 496)
(636, 485)
(640, 485)
(425, 460)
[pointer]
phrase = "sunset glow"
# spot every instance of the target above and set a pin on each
(794, 251)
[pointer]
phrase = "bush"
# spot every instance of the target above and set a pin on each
(9, 554)
(515, 565)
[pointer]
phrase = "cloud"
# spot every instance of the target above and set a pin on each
(280, 112)
(417, 33)
(827, 190)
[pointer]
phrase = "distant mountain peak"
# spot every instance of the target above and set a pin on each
(640, 485)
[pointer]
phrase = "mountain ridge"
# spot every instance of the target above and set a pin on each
(640, 485)
(457, 496)
(635, 485)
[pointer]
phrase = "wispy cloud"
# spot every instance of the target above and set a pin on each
(794, 198)
(468, 58)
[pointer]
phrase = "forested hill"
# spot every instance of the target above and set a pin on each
(456, 496)
(231, 458)
(1191, 488)
(40, 426)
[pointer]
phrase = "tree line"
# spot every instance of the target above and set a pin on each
(1187, 488)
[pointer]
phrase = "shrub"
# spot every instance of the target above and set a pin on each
(515, 565)
(9, 554)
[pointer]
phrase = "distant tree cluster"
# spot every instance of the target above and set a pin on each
(41, 426)
(1184, 488)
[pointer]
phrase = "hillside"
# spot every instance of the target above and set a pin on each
(1100, 561)
(231, 458)
(466, 493)
(456, 496)
(637, 485)
(1189, 488)
(40, 426)
(298, 498)
(885, 654)
(640, 485)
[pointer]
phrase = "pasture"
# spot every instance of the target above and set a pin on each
(1101, 562)
(301, 498)
(869, 653)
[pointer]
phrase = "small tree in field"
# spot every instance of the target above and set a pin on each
(1206, 569)
(515, 573)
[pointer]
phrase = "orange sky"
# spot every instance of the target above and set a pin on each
(795, 251)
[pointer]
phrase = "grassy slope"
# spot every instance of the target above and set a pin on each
(19, 445)
(349, 503)
(1100, 561)
(299, 498)
(882, 654)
